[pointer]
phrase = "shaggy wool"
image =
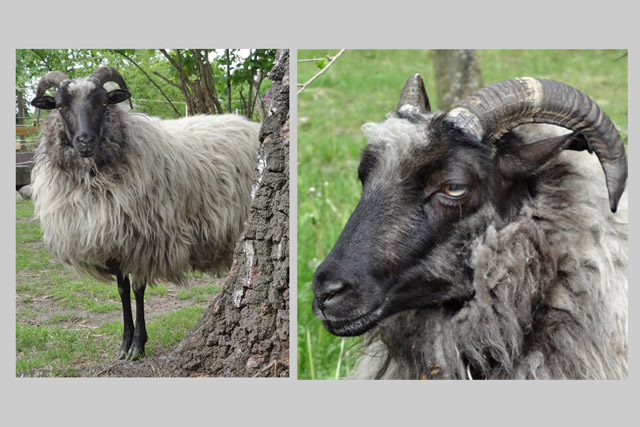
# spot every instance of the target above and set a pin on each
(158, 198)
(550, 290)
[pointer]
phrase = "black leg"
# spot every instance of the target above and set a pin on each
(140, 334)
(124, 289)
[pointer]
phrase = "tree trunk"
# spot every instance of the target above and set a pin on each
(226, 53)
(245, 330)
(457, 74)
(200, 94)
(20, 118)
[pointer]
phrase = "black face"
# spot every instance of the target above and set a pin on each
(82, 105)
(387, 258)
(407, 244)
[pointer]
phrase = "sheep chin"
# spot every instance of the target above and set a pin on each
(358, 325)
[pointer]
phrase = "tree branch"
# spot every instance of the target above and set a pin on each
(150, 79)
(210, 85)
(185, 83)
(166, 79)
(324, 70)
(226, 52)
(44, 60)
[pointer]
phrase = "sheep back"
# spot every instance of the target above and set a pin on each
(161, 197)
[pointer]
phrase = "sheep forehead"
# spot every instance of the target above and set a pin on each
(80, 88)
(396, 140)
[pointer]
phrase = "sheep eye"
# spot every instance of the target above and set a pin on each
(455, 191)
(105, 103)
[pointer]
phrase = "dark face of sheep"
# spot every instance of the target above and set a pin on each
(82, 105)
(429, 188)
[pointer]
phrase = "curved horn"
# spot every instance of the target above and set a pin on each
(413, 97)
(495, 109)
(110, 74)
(51, 79)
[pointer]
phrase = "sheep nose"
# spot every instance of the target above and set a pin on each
(83, 143)
(84, 138)
(328, 293)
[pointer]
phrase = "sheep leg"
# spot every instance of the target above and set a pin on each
(124, 289)
(136, 352)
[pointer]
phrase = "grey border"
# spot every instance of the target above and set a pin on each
(544, 24)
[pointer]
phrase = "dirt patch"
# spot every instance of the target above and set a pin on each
(46, 309)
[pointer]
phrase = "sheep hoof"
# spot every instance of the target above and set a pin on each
(135, 353)
(125, 349)
(122, 354)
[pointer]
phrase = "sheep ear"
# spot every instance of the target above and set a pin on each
(44, 102)
(520, 160)
(118, 95)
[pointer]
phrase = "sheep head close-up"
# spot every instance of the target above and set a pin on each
(82, 104)
(436, 190)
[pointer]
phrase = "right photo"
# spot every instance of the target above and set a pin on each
(462, 214)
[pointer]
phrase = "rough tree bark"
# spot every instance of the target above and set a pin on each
(245, 330)
(457, 74)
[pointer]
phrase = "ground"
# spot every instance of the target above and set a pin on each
(68, 325)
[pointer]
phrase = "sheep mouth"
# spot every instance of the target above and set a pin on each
(353, 326)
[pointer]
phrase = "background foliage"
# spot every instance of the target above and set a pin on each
(364, 86)
(140, 66)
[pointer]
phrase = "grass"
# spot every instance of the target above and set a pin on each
(362, 86)
(65, 322)
(53, 350)
(199, 294)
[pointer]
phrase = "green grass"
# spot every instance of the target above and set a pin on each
(55, 351)
(199, 294)
(65, 322)
(52, 350)
(363, 86)
(168, 330)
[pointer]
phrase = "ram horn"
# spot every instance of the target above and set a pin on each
(413, 97)
(51, 79)
(110, 74)
(495, 109)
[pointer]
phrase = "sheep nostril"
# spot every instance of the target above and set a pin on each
(331, 290)
(85, 138)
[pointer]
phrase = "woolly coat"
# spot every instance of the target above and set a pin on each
(550, 292)
(159, 197)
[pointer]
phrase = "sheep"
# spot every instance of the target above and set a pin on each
(483, 246)
(124, 194)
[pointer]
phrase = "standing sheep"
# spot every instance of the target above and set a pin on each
(484, 244)
(123, 194)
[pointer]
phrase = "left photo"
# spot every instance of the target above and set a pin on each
(152, 213)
